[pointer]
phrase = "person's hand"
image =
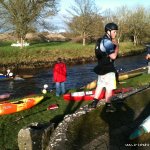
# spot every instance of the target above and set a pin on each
(117, 46)
(115, 42)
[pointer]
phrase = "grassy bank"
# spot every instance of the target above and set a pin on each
(11, 124)
(46, 52)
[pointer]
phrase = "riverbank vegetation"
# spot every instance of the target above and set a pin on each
(49, 52)
(84, 26)
(85, 22)
(89, 21)
(11, 124)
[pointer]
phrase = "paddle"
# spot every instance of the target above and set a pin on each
(50, 107)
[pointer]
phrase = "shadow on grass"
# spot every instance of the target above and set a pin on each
(71, 108)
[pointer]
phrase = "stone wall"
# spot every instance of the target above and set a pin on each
(38, 136)
(35, 136)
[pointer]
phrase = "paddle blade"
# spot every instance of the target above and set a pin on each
(138, 132)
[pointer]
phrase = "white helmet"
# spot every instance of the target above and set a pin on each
(45, 86)
(8, 70)
(10, 74)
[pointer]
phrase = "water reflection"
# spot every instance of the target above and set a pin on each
(77, 76)
(11, 85)
(129, 63)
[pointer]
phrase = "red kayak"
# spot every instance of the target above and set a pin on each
(89, 95)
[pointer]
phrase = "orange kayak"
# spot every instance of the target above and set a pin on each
(16, 106)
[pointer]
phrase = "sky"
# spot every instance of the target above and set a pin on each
(105, 4)
(102, 4)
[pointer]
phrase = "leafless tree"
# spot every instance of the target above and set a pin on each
(84, 17)
(132, 22)
(119, 16)
(22, 15)
(138, 24)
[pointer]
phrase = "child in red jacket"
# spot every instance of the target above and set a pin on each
(59, 76)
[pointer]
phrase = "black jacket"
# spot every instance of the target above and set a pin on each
(104, 47)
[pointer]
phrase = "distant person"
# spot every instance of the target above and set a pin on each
(148, 53)
(148, 57)
(59, 76)
(106, 51)
(9, 74)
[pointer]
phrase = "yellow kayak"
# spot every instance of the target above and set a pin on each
(16, 106)
(124, 76)
(130, 75)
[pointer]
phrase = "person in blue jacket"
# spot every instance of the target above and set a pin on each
(106, 51)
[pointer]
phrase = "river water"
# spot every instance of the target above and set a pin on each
(77, 76)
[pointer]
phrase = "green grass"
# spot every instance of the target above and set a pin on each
(137, 81)
(128, 46)
(52, 50)
(11, 124)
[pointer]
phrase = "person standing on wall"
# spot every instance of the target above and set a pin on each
(106, 51)
(59, 76)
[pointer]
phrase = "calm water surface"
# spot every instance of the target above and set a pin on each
(78, 75)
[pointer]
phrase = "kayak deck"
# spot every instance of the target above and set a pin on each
(16, 106)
